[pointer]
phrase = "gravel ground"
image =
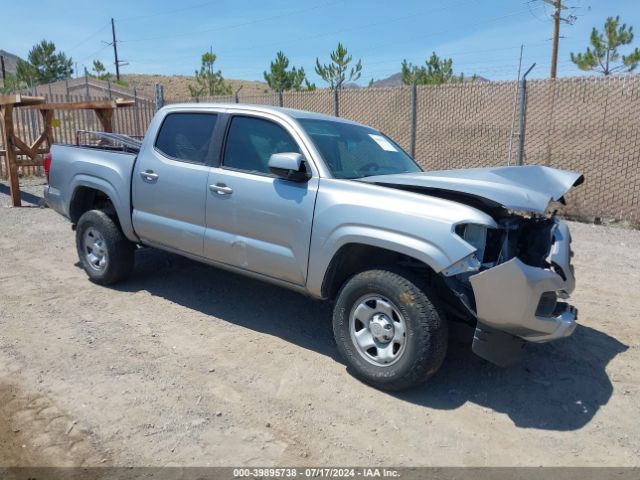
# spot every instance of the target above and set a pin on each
(185, 364)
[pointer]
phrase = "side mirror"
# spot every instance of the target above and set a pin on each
(289, 166)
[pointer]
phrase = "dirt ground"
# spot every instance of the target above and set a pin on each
(185, 364)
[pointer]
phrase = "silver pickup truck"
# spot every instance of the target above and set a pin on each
(338, 211)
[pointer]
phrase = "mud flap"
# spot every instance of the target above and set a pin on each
(499, 348)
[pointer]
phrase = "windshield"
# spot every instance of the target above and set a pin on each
(355, 151)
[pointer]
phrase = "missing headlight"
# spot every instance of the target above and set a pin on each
(474, 235)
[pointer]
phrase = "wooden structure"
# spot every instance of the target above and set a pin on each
(13, 144)
(16, 147)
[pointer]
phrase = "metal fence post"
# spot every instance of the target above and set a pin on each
(137, 107)
(86, 84)
(413, 124)
(523, 115)
(88, 116)
(336, 102)
(159, 96)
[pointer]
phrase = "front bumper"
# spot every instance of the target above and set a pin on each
(508, 296)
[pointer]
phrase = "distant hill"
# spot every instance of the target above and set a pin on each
(10, 61)
(176, 87)
(394, 80)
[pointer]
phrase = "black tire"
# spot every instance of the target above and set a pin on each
(425, 329)
(119, 257)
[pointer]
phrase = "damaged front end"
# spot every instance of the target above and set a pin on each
(515, 284)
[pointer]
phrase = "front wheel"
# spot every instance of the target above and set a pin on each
(105, 253)
(389, 330)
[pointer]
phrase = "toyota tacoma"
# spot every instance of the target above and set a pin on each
(338, 211)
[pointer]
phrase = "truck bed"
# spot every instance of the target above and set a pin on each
(93, 167)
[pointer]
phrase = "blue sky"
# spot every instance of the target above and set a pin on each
(168, 37)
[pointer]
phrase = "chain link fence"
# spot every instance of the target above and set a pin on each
(584, 124)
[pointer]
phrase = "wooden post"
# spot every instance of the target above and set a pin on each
(105, 115)
(47, 133)
(6, 112)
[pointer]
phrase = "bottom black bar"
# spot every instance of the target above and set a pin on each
(407, 473)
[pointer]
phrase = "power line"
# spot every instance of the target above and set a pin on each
(570, 19)
(229, 27)
(95, 53)
(463, 53)
(167, 12)
(533, 14)
(474, 24)
(89, 37)
(359, 27)
(466, 65)
(299, 40)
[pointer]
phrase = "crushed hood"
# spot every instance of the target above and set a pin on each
(528, 188)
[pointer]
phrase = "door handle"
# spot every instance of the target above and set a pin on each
(221, 189)
(149, 175)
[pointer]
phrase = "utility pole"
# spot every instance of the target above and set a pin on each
(556, 38)
(115, 49)
(558, 7)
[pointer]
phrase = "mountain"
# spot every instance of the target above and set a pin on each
(10, 61)
(394, 80)
(176, 86)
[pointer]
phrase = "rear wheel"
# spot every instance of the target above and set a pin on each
(390, 332)
(104, 252)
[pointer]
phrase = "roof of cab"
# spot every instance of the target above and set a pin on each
(289, 112)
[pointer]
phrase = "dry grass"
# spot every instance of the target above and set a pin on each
(177, 86)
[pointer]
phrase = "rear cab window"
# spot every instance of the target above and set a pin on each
(187, 136)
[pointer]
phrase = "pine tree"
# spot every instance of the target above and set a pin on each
(280, 78)
(436, 71)
(100, 71)
(335, 73)
(208, 81)
(604, 54)
(44, 65)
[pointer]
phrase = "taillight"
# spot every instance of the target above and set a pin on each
(47, 165)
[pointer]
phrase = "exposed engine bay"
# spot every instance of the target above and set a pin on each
(527, 238)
